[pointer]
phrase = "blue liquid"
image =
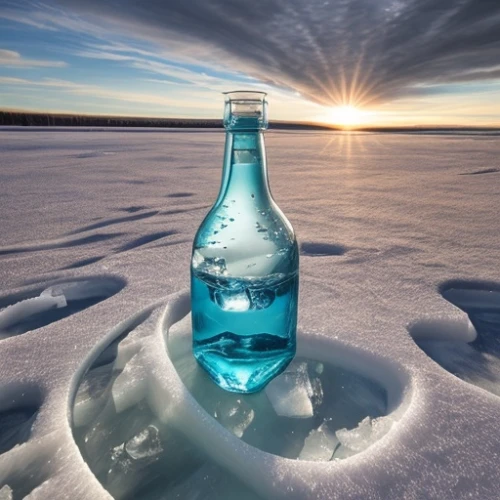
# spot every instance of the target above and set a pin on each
(244, 328)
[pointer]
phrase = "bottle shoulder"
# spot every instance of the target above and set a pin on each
(230, 221)
(241, 239)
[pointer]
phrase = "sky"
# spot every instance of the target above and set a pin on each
(343, 62)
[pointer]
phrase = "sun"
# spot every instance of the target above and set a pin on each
(346, 116)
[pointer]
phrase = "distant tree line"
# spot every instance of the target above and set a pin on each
(18, 118)
(61, 120)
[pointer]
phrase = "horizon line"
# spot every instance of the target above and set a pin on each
(214, 121)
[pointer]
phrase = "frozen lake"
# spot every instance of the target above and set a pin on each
(399, 320)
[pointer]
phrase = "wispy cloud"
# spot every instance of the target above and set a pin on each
(19, 16)
(98, 91)
(171, 72)
(51, 17)
(12, 59)
(106, 56)
(331, 51)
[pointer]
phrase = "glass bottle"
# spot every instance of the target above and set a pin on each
(245, 262)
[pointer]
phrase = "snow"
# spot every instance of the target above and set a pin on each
(398, 347)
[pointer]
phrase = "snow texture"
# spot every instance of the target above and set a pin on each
(395, 392)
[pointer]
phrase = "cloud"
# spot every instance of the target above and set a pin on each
(330, 51)
(20, 17)
(172, 73)
(13, 59)
(97, 91)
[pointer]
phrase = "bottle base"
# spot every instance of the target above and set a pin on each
(234, 366)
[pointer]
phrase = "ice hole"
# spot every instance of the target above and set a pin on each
(472, 358)
(130, 451)
(317, 411)
(298, 414)
(24, 312)
(19, 405)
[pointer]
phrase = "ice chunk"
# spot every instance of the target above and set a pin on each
(356, 439)
(319, 445)
(241, 298)
(215, 266)
(53, 291)
(105, 438)
(290, 393)
(317, 392)
(235, 415)
(117, 452)
(146, 444)
(365, 434)
(197, 259)
(6, 493)
(261, 299)
(232, 300)
(120, 463)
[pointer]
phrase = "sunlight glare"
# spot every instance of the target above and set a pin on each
(346, 116)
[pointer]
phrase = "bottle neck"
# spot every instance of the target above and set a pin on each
(245, 168)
